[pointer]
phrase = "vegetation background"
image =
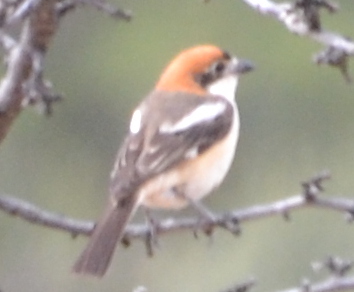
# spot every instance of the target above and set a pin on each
(296, 119)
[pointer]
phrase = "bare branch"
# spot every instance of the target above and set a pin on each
(42, 217)
(330, 285)
(24, 82)
(36, 215)
(335, 265)
(115, 12)
(37, 32)
(302, 18)
(337, 281)
(242, 287)
(22, 11)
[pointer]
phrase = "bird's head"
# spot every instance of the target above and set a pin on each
(203, 69)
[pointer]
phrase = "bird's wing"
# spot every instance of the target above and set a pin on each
(167, 131)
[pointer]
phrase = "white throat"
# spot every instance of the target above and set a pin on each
(225, 87)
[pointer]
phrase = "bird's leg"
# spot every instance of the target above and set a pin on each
(151, 240)
(208, 219)
(203, 211)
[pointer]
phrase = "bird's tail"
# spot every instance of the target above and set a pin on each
(97, 255)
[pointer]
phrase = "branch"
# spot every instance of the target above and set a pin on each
(329, 285)
(309, 198)
(118, 13)
(36, 34)
(36, 215)
(24, 82)
(242, 287)
(337, 281)
(302, 17)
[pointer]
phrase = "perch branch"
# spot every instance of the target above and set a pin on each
(310, 197)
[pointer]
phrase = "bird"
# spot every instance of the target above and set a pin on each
(180, 145)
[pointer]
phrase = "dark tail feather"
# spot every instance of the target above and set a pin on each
(97, 255)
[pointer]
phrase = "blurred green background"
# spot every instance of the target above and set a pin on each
(296, 119)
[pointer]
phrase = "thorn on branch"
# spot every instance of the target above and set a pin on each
(126, 241)
(74, 235)
(335, 57)
(338, 266)
(113, 11)
(311, 12)
(331, 7)
(242, 287)
(206, 226)
(64, 7)
(349, 216)
(313, 186)
(286, 215)
(335, 265)
(38, 91)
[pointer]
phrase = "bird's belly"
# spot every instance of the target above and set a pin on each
(194, 179)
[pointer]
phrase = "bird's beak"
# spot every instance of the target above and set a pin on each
(240, 66)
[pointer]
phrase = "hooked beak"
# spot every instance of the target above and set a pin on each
(240, 66)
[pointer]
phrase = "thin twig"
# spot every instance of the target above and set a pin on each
(113, 11)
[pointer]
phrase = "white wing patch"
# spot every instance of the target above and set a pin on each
(191, 153)
(201, 114)
(135, 123)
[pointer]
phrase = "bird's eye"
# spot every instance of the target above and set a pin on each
(214, 72)
(219, 67)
